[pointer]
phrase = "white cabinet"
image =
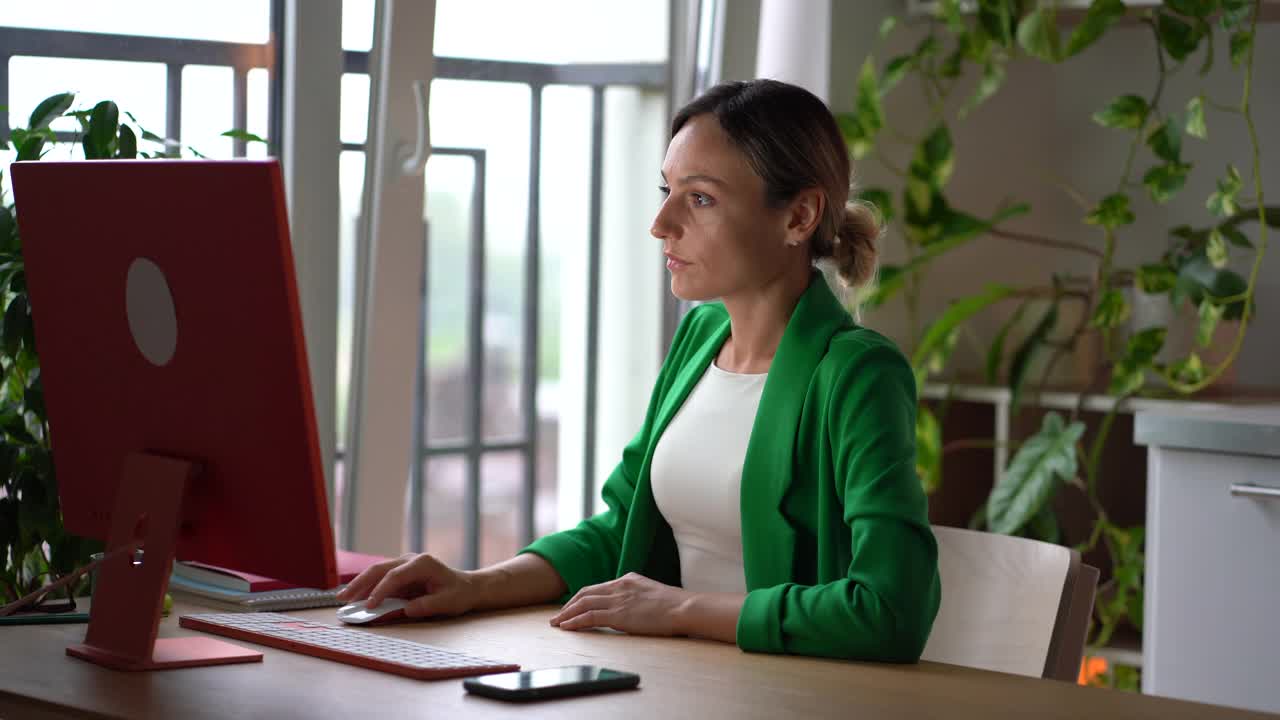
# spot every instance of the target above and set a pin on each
(1212, 614)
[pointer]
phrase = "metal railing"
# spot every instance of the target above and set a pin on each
(175, 54)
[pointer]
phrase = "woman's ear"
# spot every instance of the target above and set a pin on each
(804, 213)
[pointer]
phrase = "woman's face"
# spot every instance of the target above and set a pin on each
(719, 237)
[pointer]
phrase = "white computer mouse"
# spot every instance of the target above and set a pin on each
(388, 611)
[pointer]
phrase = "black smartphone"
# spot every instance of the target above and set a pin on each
(551, 683)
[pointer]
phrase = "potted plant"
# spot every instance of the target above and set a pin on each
(971, 51)
(34, 546)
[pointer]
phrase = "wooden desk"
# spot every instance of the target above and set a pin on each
(680, 678)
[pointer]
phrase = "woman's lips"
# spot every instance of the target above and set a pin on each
(674, 263)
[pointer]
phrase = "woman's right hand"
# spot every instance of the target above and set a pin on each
(431, 587)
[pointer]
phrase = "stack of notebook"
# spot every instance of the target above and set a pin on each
(235, 590)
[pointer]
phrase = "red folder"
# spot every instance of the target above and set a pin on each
(350, 564)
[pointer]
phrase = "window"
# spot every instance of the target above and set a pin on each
(481, 127)
(189, 75)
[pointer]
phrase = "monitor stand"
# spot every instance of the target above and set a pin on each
(124, 615)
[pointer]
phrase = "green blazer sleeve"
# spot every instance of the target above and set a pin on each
(884, 606)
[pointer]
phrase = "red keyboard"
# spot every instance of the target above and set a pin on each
(345, 645)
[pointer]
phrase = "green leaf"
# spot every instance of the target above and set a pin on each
(50, 109)
(990, 82)
(1044, 525)
(924, 205)
(1111, 311)
(18, 136)
(1021, 363)
(146, 134)
(104, 124)
(16, 317)
(1041, 465)
(949, 12)
(887, 25)
(976, 46)
(1223, 201)
(958, 312)
(1126, 112)
(1126, 378)
(1102, 14)
(1195, 118)
(1166, 141)
(33, 399)
(1156, 279)
(1192, 8)
(245, 136)
(1164, 181)
(1112, 212)
(881, 200)
(8, 230)
(927, 48)
(867, 105)
(855, 135)
(995, 353)
(1210, 314)
(1188, 370)
(928, 450)
(1235, 12)
(1178, 37)
(16, 428)
(1216, 249)
(31, 147)
(1038, 34)
(1241, 43)
(937, 360)
(1197, 278)
(998, 17)
(1128, 375)
(1144, 345)
(128, 144)
(1235, 237)
(934, 158)
(894, 71)
(952, 65)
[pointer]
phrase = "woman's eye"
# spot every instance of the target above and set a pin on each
(700, 200)
(664, 190)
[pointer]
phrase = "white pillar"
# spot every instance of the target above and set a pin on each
(380, 445)
(312, 71)
(795, 43)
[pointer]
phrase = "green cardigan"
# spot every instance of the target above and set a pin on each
(839, 557)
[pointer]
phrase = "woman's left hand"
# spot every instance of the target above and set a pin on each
(633, 604)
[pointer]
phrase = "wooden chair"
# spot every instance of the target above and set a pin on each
(1011, 604)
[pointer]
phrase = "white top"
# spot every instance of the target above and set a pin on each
(697, 478)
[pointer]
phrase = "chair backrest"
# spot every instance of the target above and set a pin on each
(1011, 604)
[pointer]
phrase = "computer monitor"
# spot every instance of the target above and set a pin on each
(169, 335)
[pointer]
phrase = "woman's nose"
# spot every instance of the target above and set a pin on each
(661, 228)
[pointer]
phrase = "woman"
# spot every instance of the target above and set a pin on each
(770, 498)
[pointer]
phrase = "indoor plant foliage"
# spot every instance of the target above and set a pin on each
(33, 544)
(978, 46)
